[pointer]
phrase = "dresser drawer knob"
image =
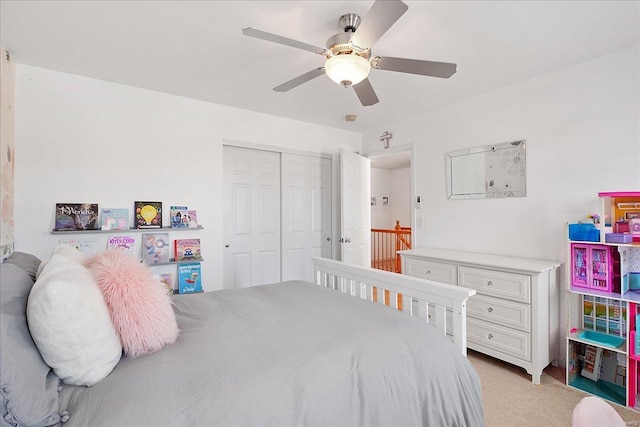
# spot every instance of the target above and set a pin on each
(490, 309)
(489, 283)
(490, 336)
(428, 271)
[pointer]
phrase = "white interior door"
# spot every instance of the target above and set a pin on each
(251, 217)
(355, 212)
(306, 214)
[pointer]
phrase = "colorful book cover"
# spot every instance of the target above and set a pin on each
(76, 216)
(192, 219)
(187, 249)
(148, 214)
(126, 243)
(87, 246)
(155, 248)
(115, 219)
(189, 278)
(167, 280)
(176, 214)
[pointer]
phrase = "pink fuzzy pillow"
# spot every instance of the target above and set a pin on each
(139, 306)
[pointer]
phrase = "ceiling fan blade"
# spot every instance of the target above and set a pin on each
(252, 32)
(414, 66)
(299, 80)
(382, 15)
(365, 92)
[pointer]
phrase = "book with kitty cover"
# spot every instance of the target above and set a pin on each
(125, 243)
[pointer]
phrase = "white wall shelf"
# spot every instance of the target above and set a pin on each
(127, 230)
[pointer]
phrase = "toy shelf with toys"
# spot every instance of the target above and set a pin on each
(603, 347)
(634, 357)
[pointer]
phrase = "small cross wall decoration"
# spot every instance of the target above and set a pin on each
(385, 137)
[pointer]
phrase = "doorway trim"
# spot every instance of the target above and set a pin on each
(412, 153)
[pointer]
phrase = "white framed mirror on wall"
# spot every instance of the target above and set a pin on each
(490, 171)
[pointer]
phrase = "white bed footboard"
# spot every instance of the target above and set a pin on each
(417, 294)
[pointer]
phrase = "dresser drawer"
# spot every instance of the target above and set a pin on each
(432, 270)
(503, 312)
(516, 287)
(505, 340)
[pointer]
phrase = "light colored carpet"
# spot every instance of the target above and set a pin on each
(510, 399)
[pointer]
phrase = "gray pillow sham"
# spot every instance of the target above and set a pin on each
(28, 387)
(27, 262)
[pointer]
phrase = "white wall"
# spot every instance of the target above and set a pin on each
(85, 140)
(380, 184)
(401, 196)
(397, 184)
(581, 125)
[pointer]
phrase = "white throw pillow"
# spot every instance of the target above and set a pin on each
(66, 250)
(70, 323)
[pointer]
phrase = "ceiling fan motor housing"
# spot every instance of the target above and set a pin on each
(350, 22)
(338, 44)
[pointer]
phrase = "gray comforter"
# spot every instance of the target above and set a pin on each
(291, 353)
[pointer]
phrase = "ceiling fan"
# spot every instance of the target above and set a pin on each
(348, 54)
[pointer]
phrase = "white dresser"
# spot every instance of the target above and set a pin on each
(515, 314)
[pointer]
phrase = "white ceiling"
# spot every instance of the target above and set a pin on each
(196, 48)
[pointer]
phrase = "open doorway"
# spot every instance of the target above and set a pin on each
(391, 206)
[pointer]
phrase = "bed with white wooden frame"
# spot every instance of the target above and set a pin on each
(363, 282)
(284, 354)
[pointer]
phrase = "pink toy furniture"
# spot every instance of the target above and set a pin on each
(592, 266)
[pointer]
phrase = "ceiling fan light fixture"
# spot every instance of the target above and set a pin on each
(347, 69)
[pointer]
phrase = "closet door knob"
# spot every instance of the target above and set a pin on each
(227, 245)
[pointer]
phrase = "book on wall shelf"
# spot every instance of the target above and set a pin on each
(192, 219)
(156, 248)
(147, 214)
(167, 280)
(125, 243)
(88, 246)
(187, 249)
(178, 215)
(114, 218)
(76, 216)
(189, 278)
